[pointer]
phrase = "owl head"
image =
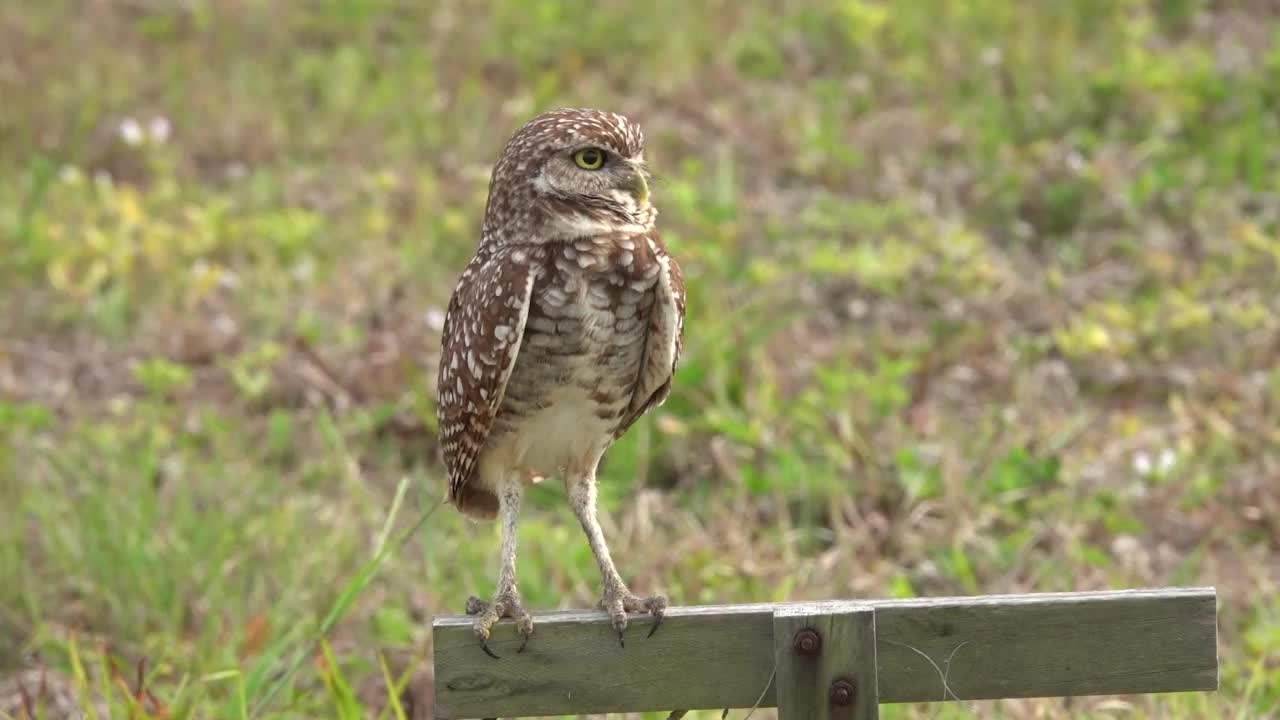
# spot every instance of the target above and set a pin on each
(570, 173)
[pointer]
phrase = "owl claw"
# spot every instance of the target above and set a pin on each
(506, 604)
(618, 601)
(657, 620)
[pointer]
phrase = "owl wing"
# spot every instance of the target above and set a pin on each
(664, 340)
(483, 329)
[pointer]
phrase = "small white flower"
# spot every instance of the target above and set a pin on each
(1126, 546)
(225, 325)
(1142, 463)
(435, 319)
(159, 129)
(1147, 466)
(130, 131)
(304, 270)
(71, 175)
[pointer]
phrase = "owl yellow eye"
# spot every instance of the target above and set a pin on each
(589, 159)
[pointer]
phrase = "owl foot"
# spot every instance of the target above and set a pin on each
(618, 601)
(506, 604)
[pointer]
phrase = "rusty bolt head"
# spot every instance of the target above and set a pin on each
(842, 693)
(807, 642)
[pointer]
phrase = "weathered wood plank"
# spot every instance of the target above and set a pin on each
(826, 663)
(722, 656)
(574, 665)
(1064, 644)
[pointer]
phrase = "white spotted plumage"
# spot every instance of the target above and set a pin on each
(470, 391)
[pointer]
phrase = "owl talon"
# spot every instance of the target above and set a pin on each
(506, 604)
(657, 620)
(618, 601)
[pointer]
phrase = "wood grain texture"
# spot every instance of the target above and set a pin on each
(846, 653)
(1052, 644)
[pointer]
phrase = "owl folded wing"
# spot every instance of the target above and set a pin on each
(664, 340)
(483, 329)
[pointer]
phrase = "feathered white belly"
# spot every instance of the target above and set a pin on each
(585, 353)
(574, 380)
(566, 435)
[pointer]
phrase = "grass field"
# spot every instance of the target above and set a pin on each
(984, 297)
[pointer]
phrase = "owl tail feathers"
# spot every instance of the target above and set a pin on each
(474, 502)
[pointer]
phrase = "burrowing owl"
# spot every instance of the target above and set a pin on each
(563, 330)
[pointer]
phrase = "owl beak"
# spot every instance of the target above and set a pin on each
(638, 187)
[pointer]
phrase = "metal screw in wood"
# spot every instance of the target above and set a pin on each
(807, 642)
(842, 693)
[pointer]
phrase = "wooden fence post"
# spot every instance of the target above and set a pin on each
(825, 656)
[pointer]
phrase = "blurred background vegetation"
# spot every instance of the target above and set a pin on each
(984, 297)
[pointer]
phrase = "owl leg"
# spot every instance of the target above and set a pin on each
(506, 602)
(617, 600)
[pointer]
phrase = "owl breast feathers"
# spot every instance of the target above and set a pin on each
(566, 326)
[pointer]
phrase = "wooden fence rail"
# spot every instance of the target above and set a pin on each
(835, 659)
